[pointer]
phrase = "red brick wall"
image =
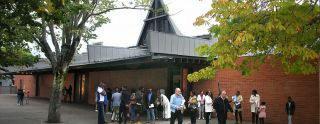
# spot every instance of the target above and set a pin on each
(148, 78)
(29, 83)
(45, 82)
(274, 87)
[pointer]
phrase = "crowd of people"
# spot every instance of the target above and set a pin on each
(128, 106)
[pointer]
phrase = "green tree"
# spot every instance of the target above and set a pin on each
(14, 36)
(58, 27)
(287, 31)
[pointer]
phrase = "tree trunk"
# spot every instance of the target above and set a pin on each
(55, 100)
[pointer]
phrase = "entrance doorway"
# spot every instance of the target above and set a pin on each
(81, 88)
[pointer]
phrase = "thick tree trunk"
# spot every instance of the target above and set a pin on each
(55, 100)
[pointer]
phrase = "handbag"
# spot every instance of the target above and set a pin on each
(192, 106)
(238, 106)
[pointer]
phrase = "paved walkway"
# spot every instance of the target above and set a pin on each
(36, 112)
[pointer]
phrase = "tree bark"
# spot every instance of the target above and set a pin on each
(55, 100)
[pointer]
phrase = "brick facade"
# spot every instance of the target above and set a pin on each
(274, 87)
(45, 83)
(28, 83)
(270, 81)
(148, 78)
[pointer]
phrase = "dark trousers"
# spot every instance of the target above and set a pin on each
(193, 117)
(261, 120)
(20, 100)
(238, 113)
(123, 114)
(70, 100)
(207, 116)
(100, 113)
(222, 118)
(175, 115)
(255, 118)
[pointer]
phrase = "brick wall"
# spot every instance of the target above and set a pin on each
(148, 78)
(29, 83)
(274, 87)
(45, 82)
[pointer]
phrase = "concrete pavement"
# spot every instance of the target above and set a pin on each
(36, 112)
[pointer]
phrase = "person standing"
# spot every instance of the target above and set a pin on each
(208, 109)
(150, 99)
(116, 99)
(28, 97)
(105, 104)
(262, 112)
(158, 108)
(20, 95)
(139, 98)
(124, 105)
(237, 99)
(200, 100)
(133, 106)
(290, 108)
(109, 95)
(255, 103)
(166, 106)
(221, 104)
(100, 100)
(192, 105)
(65, 93)
(70, 93)
(177, 106)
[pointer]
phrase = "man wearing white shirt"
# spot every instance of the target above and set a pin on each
(255, 103)
(100, 100)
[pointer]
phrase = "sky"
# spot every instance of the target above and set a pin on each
(126, 25)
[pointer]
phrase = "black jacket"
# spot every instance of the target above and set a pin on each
(222, 106)
(291, 109)
(125, 98)
(152, 100)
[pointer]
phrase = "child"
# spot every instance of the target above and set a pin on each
(27, 98)
(262, 112)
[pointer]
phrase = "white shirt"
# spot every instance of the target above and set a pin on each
(208, 104)
(255, 102)
(100, 90)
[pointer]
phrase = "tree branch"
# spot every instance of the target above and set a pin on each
(44, 44)
(118, 8)
(54, 38)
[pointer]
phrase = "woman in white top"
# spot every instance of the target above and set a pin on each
(255, 103)
(208, 108)
(237, 107)
(164, 101)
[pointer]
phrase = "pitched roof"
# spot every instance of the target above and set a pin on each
(182, 14)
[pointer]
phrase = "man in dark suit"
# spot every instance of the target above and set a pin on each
(221, 104)
(150, 99)
(290, 108)
(124, 105)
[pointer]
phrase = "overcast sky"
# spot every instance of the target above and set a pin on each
(126, 25)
